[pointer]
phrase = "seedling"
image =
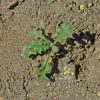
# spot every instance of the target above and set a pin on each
(40, 44)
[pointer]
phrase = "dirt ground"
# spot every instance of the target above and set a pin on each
(17, 81)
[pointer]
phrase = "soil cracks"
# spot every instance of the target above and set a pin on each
(24, 88)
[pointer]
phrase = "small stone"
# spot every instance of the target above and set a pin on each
(65, 67)
(10, 13)
(55, 98)
(90, 4)
(81, 7)
(68, 71)
(98, 94)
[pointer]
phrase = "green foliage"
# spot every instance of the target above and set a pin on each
(44, 70)
(41, 44)
(62, 33)
(36, 47)
(36, 33)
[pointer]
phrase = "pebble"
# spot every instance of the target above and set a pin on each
(81, 7)
(10, 13)
(68, 71)
(98, 94)
(90, 4)
(55, 98)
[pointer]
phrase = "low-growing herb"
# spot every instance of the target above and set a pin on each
(41, 44)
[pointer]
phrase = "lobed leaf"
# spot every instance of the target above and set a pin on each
(44, 70)
(27, 53)
(34, 32)
(36, 47)
(62, 33)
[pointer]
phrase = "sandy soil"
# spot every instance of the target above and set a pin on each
(17, 81)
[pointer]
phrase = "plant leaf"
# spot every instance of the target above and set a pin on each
(44, 70)
(34, 32)
(27, 53)
(36, 47)
(62, 33)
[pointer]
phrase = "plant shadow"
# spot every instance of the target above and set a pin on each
(82, 38)
(77, 71)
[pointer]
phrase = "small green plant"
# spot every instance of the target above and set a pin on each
(44, 69)
(40, 44)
